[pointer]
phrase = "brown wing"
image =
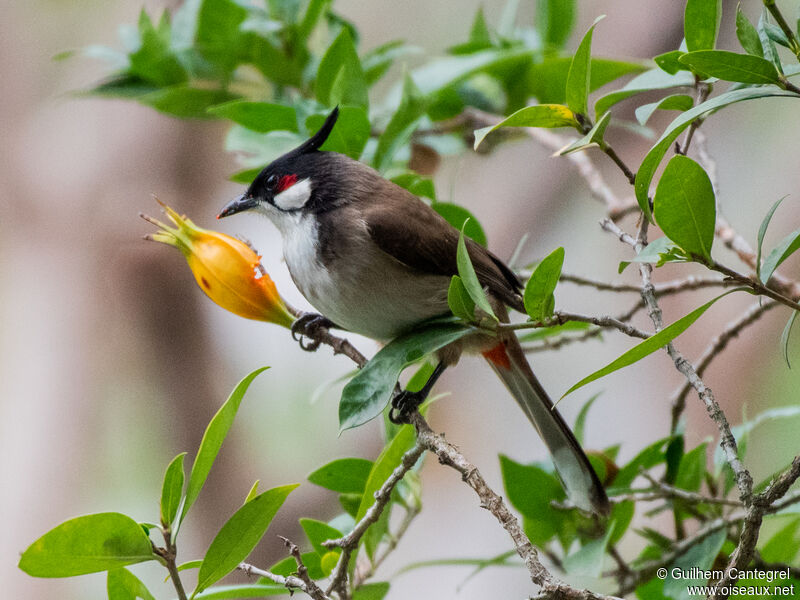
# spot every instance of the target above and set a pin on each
(416, 235)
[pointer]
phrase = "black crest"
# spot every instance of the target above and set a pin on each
(314, 143)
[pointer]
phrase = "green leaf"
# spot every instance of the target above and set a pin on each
(212, 440)
(350, 134)
(685, 207)
(350, 503)
(648, 346)
(470, 279)
(762, 231)
(701, 24)
(461, 305)
(784, 545)
(787, 332)
(246, 590)
(701, 557)
(588, 559)
(554, 20)
(191, 564)
(650, 163)
(401, 126)
(343, 475)
(692, 469)
(654, 79)
(121, 584)
(257, 116)
(538, 295)
(172, 489)
(785, 248)
(87, 544)
(578, 76)
(154, 61)
(770, 52)
(594, 137)
(540, 115)
(239, 535)
(460, 218)
(729, 66)
(479, 33)
(377, 61)
(580, 420)
(621, 517)
(288, 566)
(669, 63)
(417, 185)
(680, 102)
(318, 532)
(371, 591)
(253, 491)
(747, 34)
(530, 489)
(647, 458)
(388, 460)
(541, 333)
(659, 252)
(366, 395)
(547, 80)
(184, 101)
(340, 78)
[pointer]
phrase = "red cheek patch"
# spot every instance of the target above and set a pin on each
(286, 182)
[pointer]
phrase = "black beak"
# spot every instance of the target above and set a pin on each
(238, 204)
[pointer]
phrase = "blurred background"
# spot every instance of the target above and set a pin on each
(112, 361)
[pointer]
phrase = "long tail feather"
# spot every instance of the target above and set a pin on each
(579, 479)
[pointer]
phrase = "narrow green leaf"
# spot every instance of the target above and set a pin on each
(417, 185)
(470, 279)
(747, 34)
(388, 460)
(87, 544)
(680, 102)
(785, 248)
(318, 532)
(212, 440)
(367, 394)
(350, 134)
(646, 458)
(239, 535)
(554, 20)
(729, 66)
(154, 61)
(654, 79)
(540, 287)
(650, 163)
(578, 76)
(701, 24)
(315, 10)
(460, 218)
(377, 61)
(531, 489)
(191, 564)
(172, 489)
(246, 590)
(594, 137)
(685, 207)
(700, 557)
(762, 231)
(253, 491)
(184, 101)
(479, 33)
(588, 559)
(692, 469)
(340, 78)
(257, 116)
(580, 420)
(547, 80)
(461, 305)
(776, 34)
(401, 126)
(649, 345)
(121, 584)
(540, 115)
(669, 63)
(770, 52)
(784, 545)
(787, 332)
(343, 475)
(372, 591)
(659, 252)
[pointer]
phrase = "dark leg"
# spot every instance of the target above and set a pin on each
(407, 402)
(310, 326)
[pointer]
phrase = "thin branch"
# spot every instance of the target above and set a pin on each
(717, 345)
(290, 582)
(754, 284)
(561, 317)
(311, 588)
(349, 542)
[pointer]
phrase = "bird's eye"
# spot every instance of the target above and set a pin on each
(272, 181)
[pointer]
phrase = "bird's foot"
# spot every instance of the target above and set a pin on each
(404, 403)
(308, 328)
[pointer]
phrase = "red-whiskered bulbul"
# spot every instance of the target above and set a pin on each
(376, 260)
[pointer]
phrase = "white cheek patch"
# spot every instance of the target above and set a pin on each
(294, 197)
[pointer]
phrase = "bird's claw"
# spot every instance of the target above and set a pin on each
(403, 404)
(307, 329)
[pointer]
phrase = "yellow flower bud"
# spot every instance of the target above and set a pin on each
(226, 269)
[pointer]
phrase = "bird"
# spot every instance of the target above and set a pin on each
(376, 260)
